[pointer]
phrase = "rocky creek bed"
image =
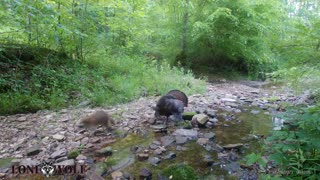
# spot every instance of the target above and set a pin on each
(237, 115)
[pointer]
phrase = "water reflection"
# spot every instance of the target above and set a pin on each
(277, 123)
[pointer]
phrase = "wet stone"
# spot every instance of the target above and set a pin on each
(107, 151)
(209, 125)
(234, 105)
(232, 167)
(233, 146)
(217, 147)
(145, 174)
(167, 140)
(181, 148)
(208, 160)
(153, 146)
(189, 133)
(154, 161)
(181, 139)
(209, 135)
(232, 156)
(127, 175)
(200, 118)
(170, 155)
(214, 120)
(160, 150)
(142, 156)
(211, 113)
(202, 141)
(248, 101)
(156, 143)
(254, 111)
(228, 100)
(117, 175)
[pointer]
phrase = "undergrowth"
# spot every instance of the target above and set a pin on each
(295, 148)
(101, 80)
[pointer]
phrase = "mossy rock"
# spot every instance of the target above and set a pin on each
(185, 124)
(73, 153)
(179, 171)
(188, 115)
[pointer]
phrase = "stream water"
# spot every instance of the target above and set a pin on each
(245, 128)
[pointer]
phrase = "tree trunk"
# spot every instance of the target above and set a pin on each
(185, 28)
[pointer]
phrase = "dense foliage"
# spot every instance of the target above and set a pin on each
(295, 148)
(55, 84)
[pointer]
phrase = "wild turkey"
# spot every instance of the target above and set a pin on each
(179, 95)
(171, 104)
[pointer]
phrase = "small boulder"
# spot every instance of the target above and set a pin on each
(209, 135)
(181, 139)
(34, 150)
(167, 140)
(69, 162)
(154, 161)
(202, 141)
(59, 153)
(208, 160)
(170, 155)
(145, 174)
(200, 119)
(142, 156)
(58, 137)
(233, 146)
(107, 151)
(189, 133)
(117, 175)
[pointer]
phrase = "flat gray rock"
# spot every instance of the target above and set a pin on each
(69, 162)
(59, 153)
(154, 161)
(34, 150)
(189, 133)
(181, 139)
(167, 140)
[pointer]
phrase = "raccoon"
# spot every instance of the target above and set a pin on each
(99, 117)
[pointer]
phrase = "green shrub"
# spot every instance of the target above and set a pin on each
(102, 79)
(295, 149)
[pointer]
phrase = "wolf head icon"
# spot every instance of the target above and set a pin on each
(47, 168)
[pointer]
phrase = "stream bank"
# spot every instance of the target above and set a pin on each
(240, 114)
